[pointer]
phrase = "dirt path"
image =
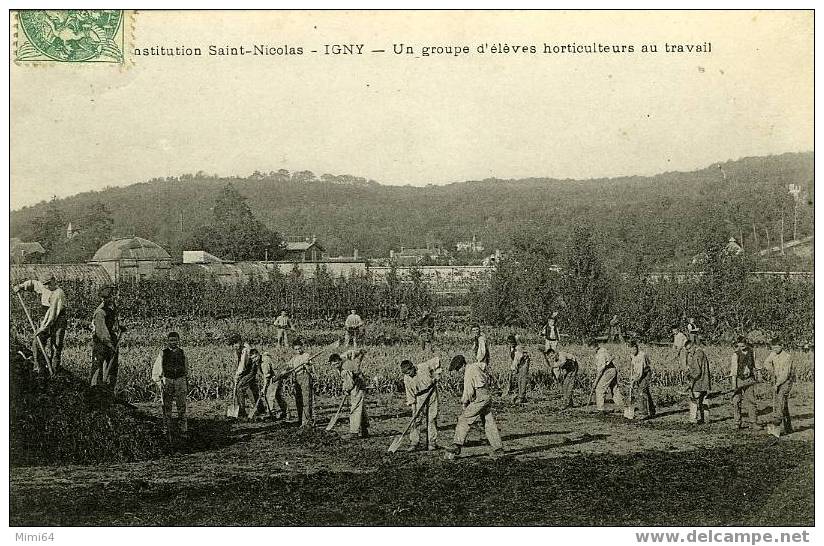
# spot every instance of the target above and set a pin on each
(234, 464)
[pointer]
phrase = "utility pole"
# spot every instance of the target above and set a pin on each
(755, 238)
(782, 232)
(795, 191)
(181, 221)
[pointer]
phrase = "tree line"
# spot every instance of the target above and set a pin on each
(661, 220)
(721, 293)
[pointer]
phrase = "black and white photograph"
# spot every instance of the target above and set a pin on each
(412, 269)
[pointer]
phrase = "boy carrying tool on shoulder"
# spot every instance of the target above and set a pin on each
(418, 381)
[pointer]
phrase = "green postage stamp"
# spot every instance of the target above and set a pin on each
(70, 36)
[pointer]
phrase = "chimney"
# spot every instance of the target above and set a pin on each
(391, 254)
(355, 254)
(314, 238)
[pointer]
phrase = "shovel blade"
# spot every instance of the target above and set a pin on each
(396, 443)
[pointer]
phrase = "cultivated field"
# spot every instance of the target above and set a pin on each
(561, 467)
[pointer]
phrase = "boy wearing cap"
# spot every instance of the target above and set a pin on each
(272, 387)
(520, 366)
(170, 373)
(418, 381)
(477, 405)
(354, 327)
(282, 326)
(678, 341)
(106, 335)
(781, 365)
(551, 335)
(742, 376)
(52, 329)
(245, 374)
(565, 370)
(304, 379)
(698, 373)
(427, 325)
(640, 378)
(480, 350)
(354, 384)
(606, 384)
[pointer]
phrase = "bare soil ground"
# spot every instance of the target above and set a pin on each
(568, 467)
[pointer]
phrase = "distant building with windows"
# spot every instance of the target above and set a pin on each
(133, 258)
(415, 256)
(469, 246)
(22, 253)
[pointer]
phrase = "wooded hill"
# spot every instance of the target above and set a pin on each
(662, 220)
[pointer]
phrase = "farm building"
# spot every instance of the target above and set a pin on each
(93, 273)
(242, 272)
(200, 257)
(133, 258)
(20, 252)
(413, 256)
(309, 250)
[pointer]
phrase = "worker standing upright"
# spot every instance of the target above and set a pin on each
(519, 367)
(743, 378)
(283, 325)
(354, 328)
(349, 365)
(51, 333)
(105, 339)
(480, 351)
(304, 383)
(551, 335)
(403, 315)
(781, 365)
(170, 372)
(679, 339)
(698, 374)
(245, 375)
(614, 334)
(418, 381)
(693, 331)
(427, 329)
(640, 379)
(606, 384)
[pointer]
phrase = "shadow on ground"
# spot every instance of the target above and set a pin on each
(701, 487)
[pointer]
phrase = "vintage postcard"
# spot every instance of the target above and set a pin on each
(413, 268)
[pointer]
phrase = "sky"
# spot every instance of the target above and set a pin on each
(409, 119)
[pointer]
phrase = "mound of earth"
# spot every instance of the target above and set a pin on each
(63, 421)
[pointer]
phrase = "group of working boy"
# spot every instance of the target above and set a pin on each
(170, 371)
(49, 336)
